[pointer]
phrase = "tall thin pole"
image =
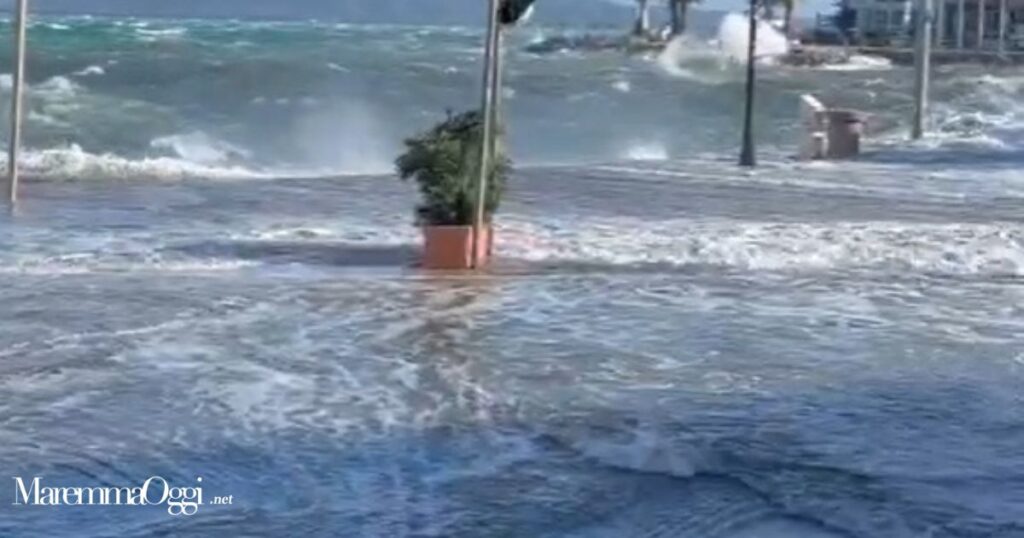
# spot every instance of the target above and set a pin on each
(642, 26)
(17, 99)
(497, 91)
(961, 23)
(487, 113)
(747, 156)
(1002, 26)
(922, 67)
(981, 24)
(940, 24)
(497, 88)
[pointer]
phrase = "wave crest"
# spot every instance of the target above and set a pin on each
(73, 162)
(953, 249)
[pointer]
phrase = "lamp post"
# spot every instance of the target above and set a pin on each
(17, 99)
(922, 68)
(487, 111)
(501, 14)
(747, 154)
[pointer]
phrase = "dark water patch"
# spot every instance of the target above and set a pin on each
(306, 253)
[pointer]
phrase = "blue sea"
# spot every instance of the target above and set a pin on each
(211, 275)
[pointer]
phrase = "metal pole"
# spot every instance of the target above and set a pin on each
(922, 67)
(487, 114)
(940, 24)
(497, 91)
(908, 17)
(747, 156)
(981, 24)
(961, 23)
(1002, 26)
(17, 99)
(497, 88)
(642, 26)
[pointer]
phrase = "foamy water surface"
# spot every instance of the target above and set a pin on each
(667, 346)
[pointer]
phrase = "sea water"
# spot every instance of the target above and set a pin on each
(209, 276)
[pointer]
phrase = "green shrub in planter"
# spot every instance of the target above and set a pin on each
(444, 163)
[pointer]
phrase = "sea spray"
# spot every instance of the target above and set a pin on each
(199, 147)
(734, 38)
(646, 151)
(691, 59)
(350, 137)
(344, 108)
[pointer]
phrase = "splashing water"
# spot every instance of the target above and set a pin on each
(733, 37)
(646, 151)
(687, 58)
(668, 346)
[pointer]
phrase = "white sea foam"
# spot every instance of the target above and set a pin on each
(986, 115)
(73, 162)
(1008, 85)
(860, 62)
(198, 147)
(52, 89)
(343, 230)
(82, 265)
(92, 70)
(57, 87)
(960, 249)
(161, 32)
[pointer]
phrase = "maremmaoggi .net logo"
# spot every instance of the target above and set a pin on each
(155, 491)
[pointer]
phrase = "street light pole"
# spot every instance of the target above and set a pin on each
(922, 68)
(488, 117)
(17, 99)
(497, 89)
(747, 154)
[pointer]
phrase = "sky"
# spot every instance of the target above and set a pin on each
(397, 11)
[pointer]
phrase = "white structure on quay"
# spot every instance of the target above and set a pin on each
(994, 25)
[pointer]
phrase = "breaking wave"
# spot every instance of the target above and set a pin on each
(198, 147)
(734, 38)
(690, 59)
(952, 249)
(73, 163)
(860, 62)
(92, 70)
(340, 113)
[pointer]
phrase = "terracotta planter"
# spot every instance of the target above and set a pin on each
(451, 247)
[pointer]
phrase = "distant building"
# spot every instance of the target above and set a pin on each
(957, 23)
(882, 21)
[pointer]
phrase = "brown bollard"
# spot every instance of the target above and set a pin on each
(845, 128)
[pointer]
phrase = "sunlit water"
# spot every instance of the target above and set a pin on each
(211, 275)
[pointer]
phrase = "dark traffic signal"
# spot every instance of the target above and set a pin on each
(512, 10)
